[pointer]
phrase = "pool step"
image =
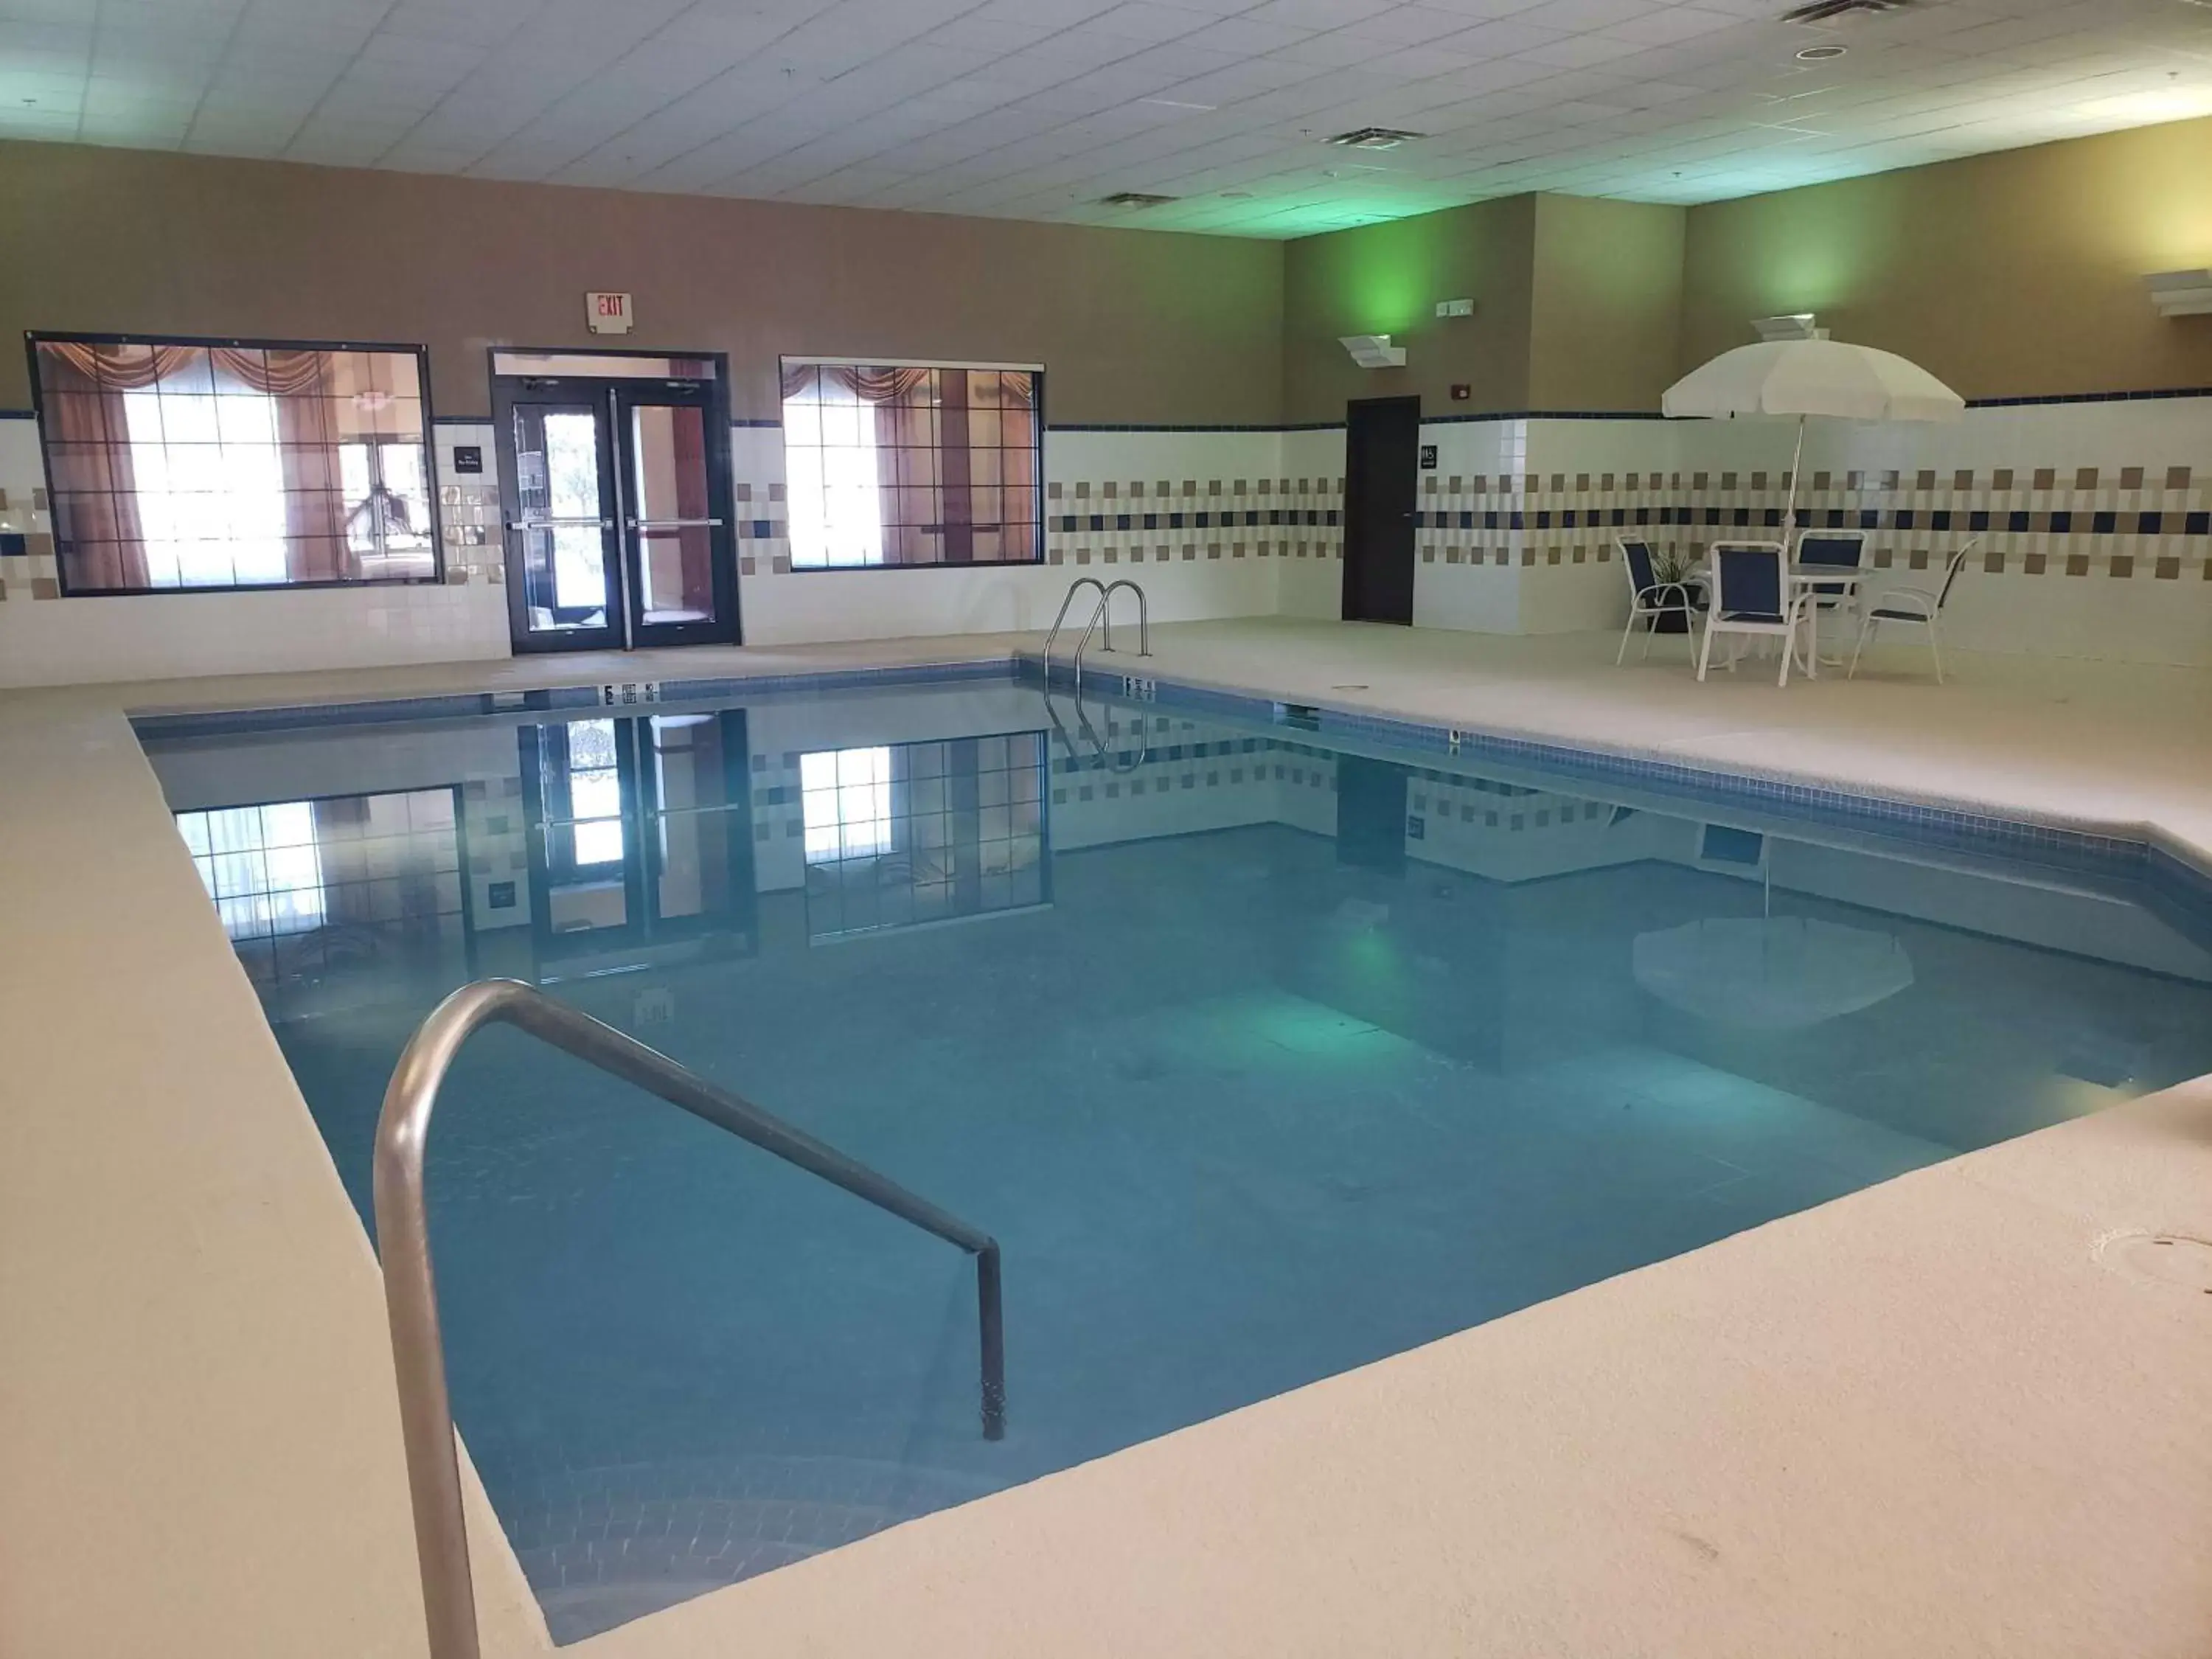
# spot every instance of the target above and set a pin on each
(613, 1544)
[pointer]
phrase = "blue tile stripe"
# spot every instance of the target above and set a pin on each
(2060, 523)
(1070, 523)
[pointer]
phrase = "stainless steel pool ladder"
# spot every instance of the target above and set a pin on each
(1101, 622)
(418, 1358)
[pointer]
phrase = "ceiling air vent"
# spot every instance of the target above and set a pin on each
(1135, 198)
(1371, 138)
(1828, 11)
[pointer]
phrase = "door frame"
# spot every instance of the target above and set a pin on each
(1353, 502)
(624, 629)
(733, 930)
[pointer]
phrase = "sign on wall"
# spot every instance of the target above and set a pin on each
(609, 313)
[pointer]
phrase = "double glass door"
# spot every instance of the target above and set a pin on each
(618, 517)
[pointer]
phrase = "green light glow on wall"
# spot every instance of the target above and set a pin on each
(1382, 277)
(1385, 280)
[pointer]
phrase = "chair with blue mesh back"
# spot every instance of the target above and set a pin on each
(1916, 606)
(1649, 599)
(1845, 549)
(1751, 596)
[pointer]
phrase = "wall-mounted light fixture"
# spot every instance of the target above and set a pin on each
(1792, 325)
(2182, 293)
(1373, 350)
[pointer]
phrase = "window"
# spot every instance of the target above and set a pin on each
(891, 464)
(183, 465)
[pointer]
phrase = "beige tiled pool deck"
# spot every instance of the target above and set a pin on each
(1926, 1419)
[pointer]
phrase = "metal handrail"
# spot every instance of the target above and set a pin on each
(1143, 617)
(1059, 621)
(411, 1296)
(1101, 615)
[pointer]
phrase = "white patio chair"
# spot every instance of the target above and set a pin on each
(1753, 597)
(1649, 599)
(1917, 606)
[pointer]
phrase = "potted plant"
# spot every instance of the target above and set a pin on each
(1674, 564)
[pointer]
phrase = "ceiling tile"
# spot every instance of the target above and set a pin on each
(1034, 108)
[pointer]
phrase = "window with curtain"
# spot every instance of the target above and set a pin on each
(182, 465)
(893, 464)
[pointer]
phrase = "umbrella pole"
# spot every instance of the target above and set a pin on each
(1796, 465)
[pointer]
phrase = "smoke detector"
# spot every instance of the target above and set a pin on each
(1829, 11)
(1135, 198)
(1371, 138)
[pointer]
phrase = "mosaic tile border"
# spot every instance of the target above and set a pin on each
(2122, 523)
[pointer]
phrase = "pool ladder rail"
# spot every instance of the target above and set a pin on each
(1101, 622)
(418, 1355)
(1122, 761)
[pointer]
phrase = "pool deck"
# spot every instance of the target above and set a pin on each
(1939, 1416)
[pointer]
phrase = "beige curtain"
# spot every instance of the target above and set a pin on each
(955, 456)
(95, 501)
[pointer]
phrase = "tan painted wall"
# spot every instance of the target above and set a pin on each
(1386, 279)
(1604, 304)
(1131, 326)
(2018, 274)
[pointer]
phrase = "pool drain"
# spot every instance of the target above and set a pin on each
(2174, 1259)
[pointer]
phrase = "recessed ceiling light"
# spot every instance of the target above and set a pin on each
(1177, 103)
(1371, 138)
(1821, 54)
(1236, 195)
(1135, 198)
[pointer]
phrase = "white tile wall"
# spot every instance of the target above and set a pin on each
(1532, 581)
(173, 636)
(1226, 575)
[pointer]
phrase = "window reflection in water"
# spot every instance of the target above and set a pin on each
(923, 832)
(260, 864)
(595, 795)
(308, 887)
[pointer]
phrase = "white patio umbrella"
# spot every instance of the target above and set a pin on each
(1769, 973)
(1812, 377)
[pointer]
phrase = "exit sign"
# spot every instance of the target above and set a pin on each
(609, 313)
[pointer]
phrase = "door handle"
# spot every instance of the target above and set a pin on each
(555, 524)
(675, 524)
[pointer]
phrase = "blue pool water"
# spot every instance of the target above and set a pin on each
(1264, 1054)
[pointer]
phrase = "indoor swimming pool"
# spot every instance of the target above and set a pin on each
(1264, 1051)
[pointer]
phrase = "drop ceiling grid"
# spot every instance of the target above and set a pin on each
(1037, 109)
